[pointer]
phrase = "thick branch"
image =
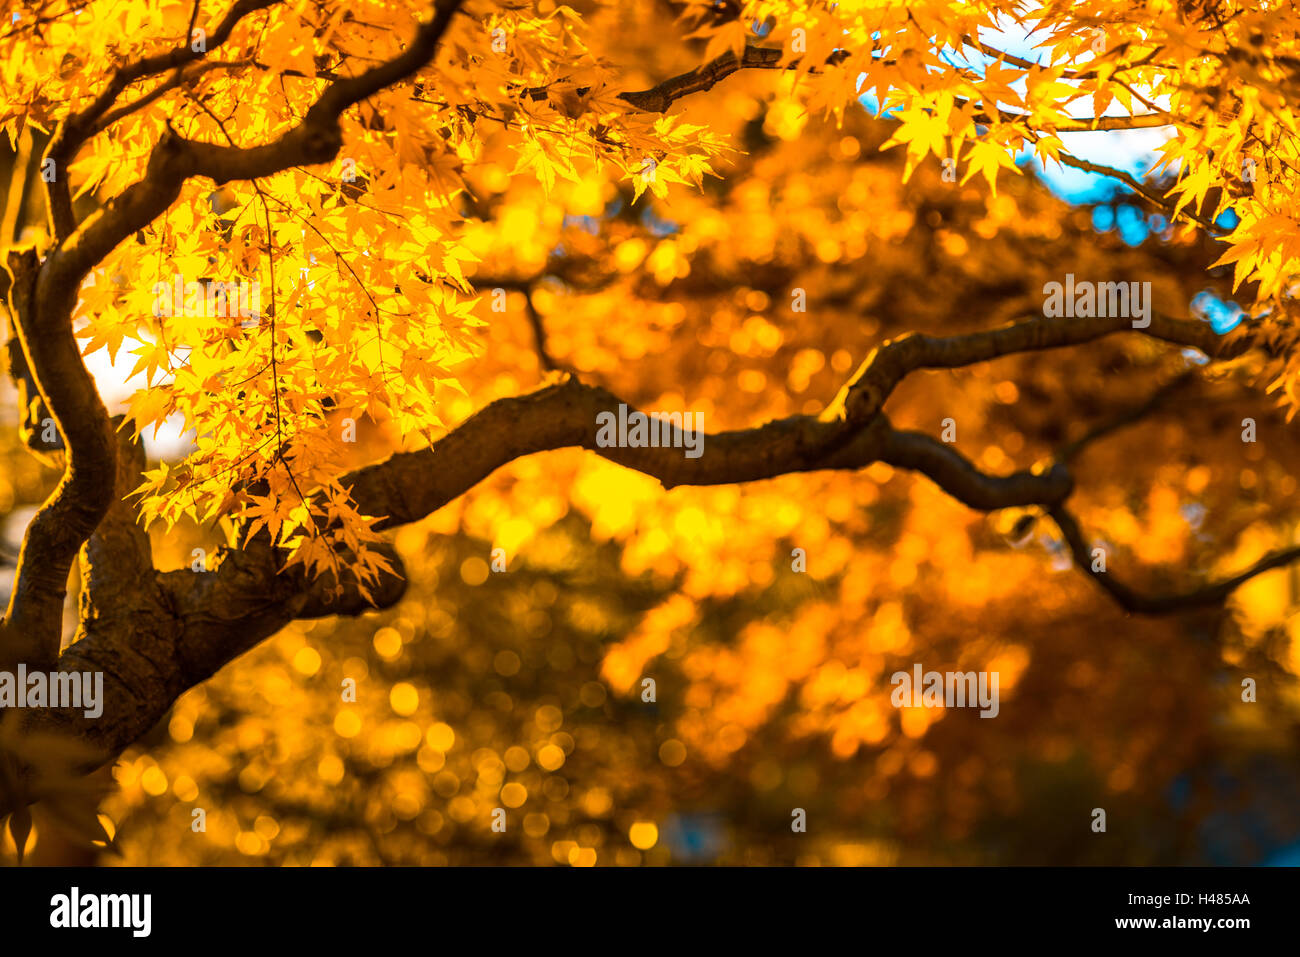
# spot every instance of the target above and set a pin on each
(218, 615)
(41, 316)
(409, 485)
(953, 473)
(117, 560)
(32, 409)
(43, 296)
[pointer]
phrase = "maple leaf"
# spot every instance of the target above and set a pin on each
(987, 158)
(923, 131)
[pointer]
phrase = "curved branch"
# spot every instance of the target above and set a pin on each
(410, 485)
(661, 96)
(182, 76)
(1139, 603)
(865, 394)
(1068, 452)
(80, 126)
(43, 296)
(219, 615)
(76, 127)
(535, 322)
(33, 622)
(955, 474)
(317, 139)
(1150, 195)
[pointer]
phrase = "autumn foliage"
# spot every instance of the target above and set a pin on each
(817, 227)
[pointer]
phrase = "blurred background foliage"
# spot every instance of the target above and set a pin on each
(522, 689)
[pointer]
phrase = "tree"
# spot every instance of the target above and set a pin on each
(347, 166)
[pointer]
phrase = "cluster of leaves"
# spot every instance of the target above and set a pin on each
(1219, 77)
(358, 304)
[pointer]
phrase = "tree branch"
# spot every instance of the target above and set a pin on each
(1136, 602)
(1150, 195)
(1067, 453)
(525, 286)
(117, 559)
(213, 617)
(660, 97)
(43, 295)
(34, 619)
(74, 130)
(865, 394)
(317, 139)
